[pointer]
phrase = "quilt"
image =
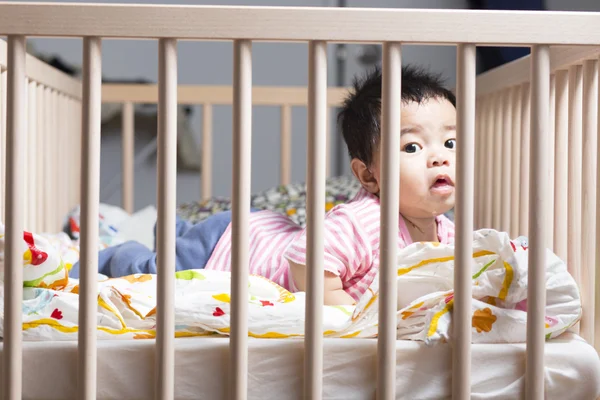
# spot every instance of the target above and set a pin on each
(127, 305)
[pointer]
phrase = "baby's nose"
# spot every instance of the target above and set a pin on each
(438, 159)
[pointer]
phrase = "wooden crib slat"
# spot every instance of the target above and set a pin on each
(56, 176)
(30, 165)
(539, 217)
(80, 154)
(39, 184)
(26, 166)
(390, 189)
(47, 157)
(74, 149)
(486, 196)
(90, 198)
(207, 147)
(551, 159)
(128, 155)
(481, 141)
(64, 157)
(574, 189)
(515, 157)
(465, 128)
(16, 125)
(3, 110)
(59, 173)
(240, 207)
(166, 208)
(79, 125)
(478, 118)
(286, 144)
(497, 163)
(330, 113)
(64, 153)
(49, 162)
(525, 146)
(489, 158)
(77, 145)
(315, 217)
(588, 207)
(597, 263)
(505, 176)
(53, 164)
(32, 145)
(479, 146)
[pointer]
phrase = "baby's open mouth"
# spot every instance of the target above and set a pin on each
(443, 182)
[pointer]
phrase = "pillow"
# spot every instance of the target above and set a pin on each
(139, 227)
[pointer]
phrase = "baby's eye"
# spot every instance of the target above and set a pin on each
(450, 143)
(412, 148)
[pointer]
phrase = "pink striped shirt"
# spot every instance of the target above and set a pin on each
(351, 240)
(270, 233)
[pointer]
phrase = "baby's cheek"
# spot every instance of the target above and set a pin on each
(409, 189)
(408, 175)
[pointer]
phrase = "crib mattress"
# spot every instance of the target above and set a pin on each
(126, 369)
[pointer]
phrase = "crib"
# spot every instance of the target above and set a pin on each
(547, 189)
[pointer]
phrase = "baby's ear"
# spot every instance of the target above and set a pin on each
(366, 177)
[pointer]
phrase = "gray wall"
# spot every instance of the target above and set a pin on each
(273, 64)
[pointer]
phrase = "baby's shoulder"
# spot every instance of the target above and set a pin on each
(355, 207)
(355, 216)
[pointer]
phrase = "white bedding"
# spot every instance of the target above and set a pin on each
(126, 311)
(126, 369)
(127, 305)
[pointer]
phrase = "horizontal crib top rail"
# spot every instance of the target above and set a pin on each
(300, 24)
(44, 74)
(518, 71)
(218, 95)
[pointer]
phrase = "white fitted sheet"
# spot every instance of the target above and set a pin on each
(126, 369)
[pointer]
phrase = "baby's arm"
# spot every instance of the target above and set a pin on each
(346, 250)
(334, 294)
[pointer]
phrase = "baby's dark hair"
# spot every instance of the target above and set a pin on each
(360, 117)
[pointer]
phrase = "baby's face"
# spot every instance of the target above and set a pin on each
(427, 158)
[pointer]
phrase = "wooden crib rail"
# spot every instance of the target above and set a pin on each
(300, 24)
(572, 173)
(52, 141)
(518, 72)
(217, 94)
(209, 96)
(46, 75)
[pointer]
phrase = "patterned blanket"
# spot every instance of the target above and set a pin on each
(127, 305)
(287, 199)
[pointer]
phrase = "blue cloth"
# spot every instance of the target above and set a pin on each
(194, 245)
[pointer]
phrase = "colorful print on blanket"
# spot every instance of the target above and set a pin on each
(499, 292)
(127, 305)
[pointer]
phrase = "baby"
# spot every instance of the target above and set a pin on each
(427, 170)
(278, 245)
